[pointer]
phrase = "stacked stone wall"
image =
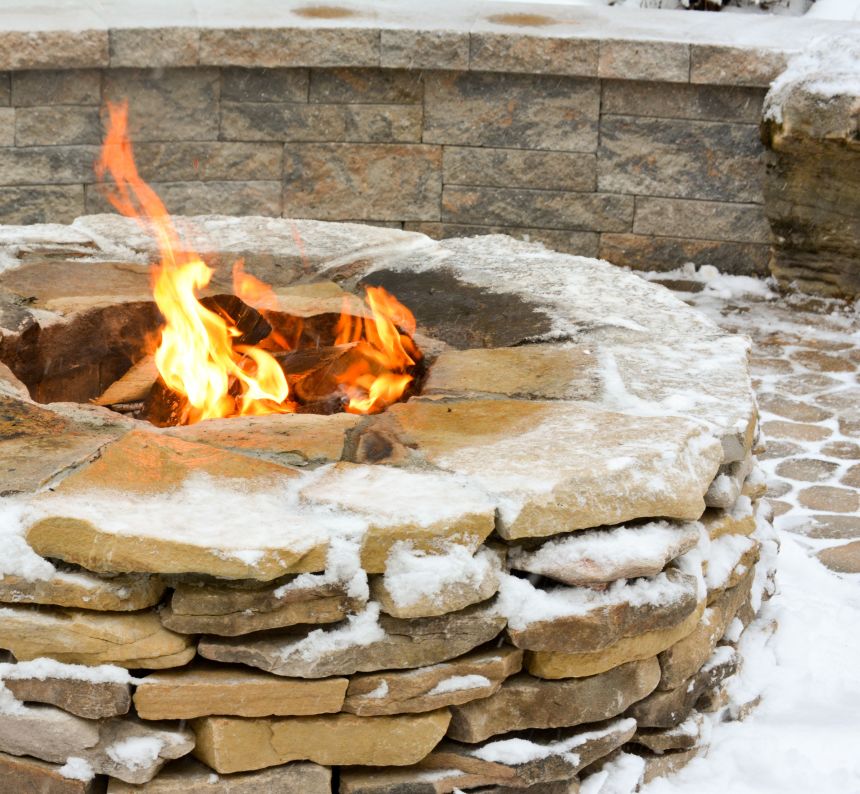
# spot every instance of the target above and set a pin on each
(646, 154)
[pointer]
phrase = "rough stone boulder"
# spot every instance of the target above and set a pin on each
(811, 128)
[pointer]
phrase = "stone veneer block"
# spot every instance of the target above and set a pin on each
(666, 61)
(210, 161)
(555, 665)
(520, 207)
(429, 688)
(236, 691)
(463, 165)
(153, 48)
(524, 702)
(645, 252)
(77, 637)
(272, 47)
(52, 126)
(235, 745)
(424, 49)
(682, 101)
(92, 700)
(401, 644)
(168, 104)
(47, 165)
(7, 126)
(334, 181)
(46, 88)
(723, 65)
(264, 85)
(41, 204)
(511, 111)
(53, 49)
(25, 775)
(519, 52)
(188, 776)
(679, 158)
(316, 122)
(365, 86)
(714, 220)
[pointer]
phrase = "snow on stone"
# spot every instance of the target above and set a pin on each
(411, 575)
(44, 668)
(135, 752)
(457, 683)
(734, 630)
(9, 704)
(343, 565)
(16, 556)
(360, 629)
(523, 604)
(77, 769)
(380, 692)
(724, 556)
(621, 775)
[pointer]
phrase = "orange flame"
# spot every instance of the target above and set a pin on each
(197, 357)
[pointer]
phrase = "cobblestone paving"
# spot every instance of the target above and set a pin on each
(805, 360)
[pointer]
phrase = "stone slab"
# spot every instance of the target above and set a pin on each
(842, 559)
(53, 49)
(424, 49)
(682, 737)
(436, 686)
(234, 745)
(41, 204)
(666, 61)
(154, 48)
(524, 702)
(208, 690)
(28, 775)
(79, 637)
(84, 590)
(48, 87)
(713, 220)
(264, 85)
(744, 66)
(188, 776)
(398, 644)
(517, 52)
(92, 700)
(365, 86)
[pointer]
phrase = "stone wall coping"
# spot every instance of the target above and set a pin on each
(584, 41)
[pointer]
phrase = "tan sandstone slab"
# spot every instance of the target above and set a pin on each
(560, 757)
(358, 780)
(53, 735)
(151, 466)
(79, 637)
(189, 776)
(554, 665)
(606, 555)
(618, 474)
(524, 702)
(682, 737)
(39, 444)
(581, 620)
(230, 744)
(470, 677)
(544, 372)
(740, 520)
(90, 699)
(83, 590)
(235, 691)
(39, 777)
(364, 643)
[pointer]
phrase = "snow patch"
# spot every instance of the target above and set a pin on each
(135, 752)
(456, 683)
(77, 769)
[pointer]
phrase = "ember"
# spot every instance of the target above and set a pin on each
(232, 355)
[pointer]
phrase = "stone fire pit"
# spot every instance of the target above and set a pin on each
(542, 560)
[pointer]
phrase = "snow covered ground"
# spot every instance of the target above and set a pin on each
(804, 737)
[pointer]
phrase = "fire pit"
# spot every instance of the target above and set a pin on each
(537, 554)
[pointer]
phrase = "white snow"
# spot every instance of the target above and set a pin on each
(457, 683)
(9, 704)
(44, 668)
(621, 775)
(77, 769)
(343, 566)
(380, 692)
(360, 629)
(411, 575)
(724, 555)
(135, 752)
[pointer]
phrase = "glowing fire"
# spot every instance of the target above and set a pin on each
(198, 356)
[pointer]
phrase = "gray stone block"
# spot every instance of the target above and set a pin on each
(373, 86)
(424, 49)
(362, 181)
(679, 158)
(168, 104)
(542, 208)
(209, 161)
(641, 252)
(668, 61)
(682, 101)
(712, 220)
(519, 168)
(319, 46)
(41, 204)
(320, 123)
(53, 49)
(264, 85)
(518, 52)
(52, 87)
(512, 111)
(203, 198)
(47, 165)
(154, 47)
(722, 65)
(58, 125)
(7, 126)
(5, 88)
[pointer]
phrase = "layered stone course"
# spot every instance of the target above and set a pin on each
(383, 601)
(639, 151)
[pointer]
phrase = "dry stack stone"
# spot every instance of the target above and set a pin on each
(546, 558)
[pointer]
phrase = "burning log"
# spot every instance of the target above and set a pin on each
(133, 387)
(252, 326)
